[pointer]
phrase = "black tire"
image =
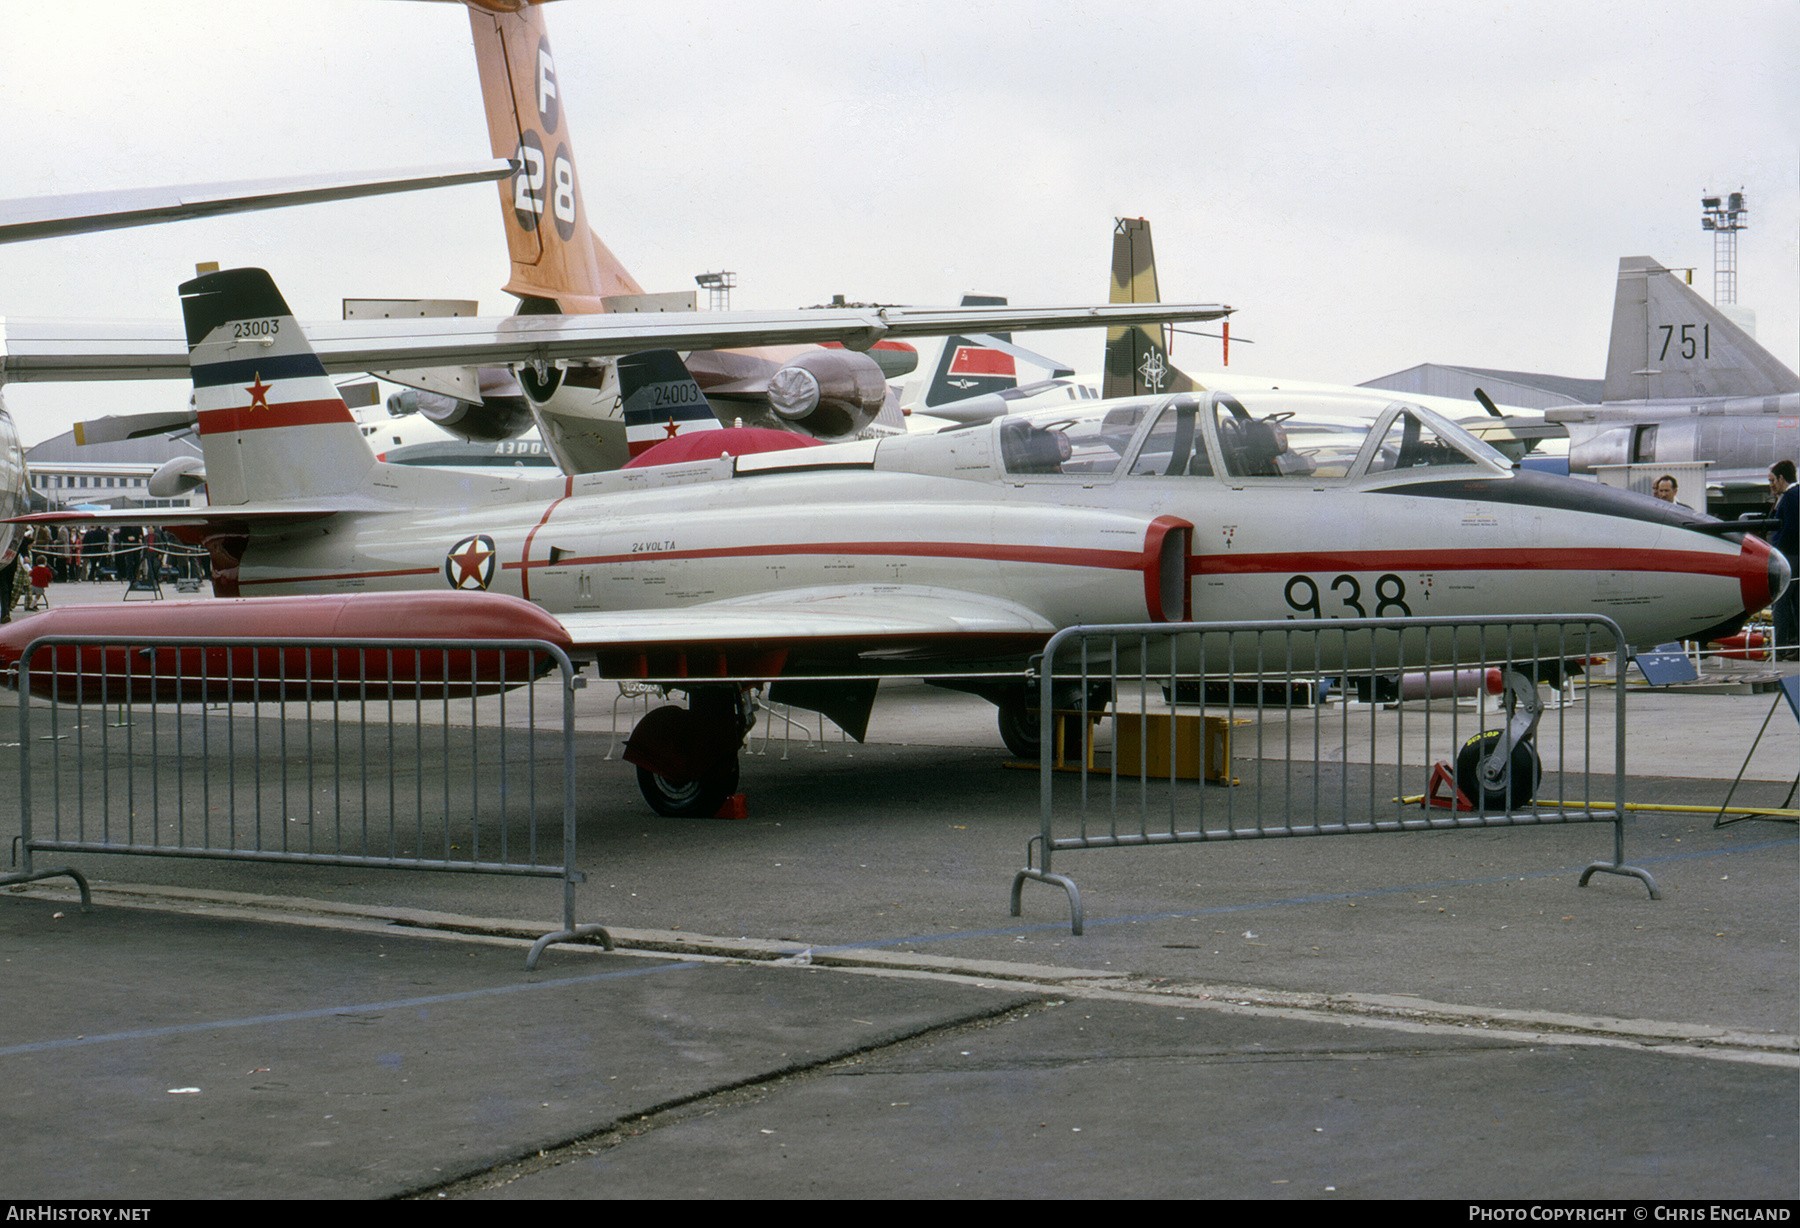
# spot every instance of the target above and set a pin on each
(1020, 731)
(689, 799)
(1526, 772)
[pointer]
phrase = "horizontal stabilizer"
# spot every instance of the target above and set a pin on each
(1056, 367)
(118, 427)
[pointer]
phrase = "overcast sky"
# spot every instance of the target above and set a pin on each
(1372, 189)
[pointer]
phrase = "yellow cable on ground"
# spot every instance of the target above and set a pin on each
(1767, 812)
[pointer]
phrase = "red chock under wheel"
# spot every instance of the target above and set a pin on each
(1443, 774)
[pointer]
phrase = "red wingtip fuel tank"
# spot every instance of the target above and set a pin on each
(124, 669)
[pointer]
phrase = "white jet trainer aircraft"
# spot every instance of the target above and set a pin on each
(953, 555)
(940, 555)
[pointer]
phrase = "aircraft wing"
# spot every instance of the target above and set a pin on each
(201, 516)
(69, 350)
(866, 625)
(46, 217)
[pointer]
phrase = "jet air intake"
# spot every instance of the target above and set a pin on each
(829, 392)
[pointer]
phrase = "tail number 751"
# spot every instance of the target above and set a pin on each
(1303, 596)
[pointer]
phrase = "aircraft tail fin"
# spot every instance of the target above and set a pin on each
(1137, 360)
(659, 399)
(271, 423)
(967, 368)
(1669, 343)
(559, 265)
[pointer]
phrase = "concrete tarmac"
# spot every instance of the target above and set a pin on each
(828, 998)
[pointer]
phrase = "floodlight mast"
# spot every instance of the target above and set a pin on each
(1724, 217)
(718, 289)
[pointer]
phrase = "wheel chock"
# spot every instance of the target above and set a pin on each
(736, 807)
(1442, 774)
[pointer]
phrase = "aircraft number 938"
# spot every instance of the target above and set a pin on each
(1389, 598)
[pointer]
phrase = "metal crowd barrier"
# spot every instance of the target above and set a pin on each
(1232, 731)
(397, 754)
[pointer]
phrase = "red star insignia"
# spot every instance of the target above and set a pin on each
(671, 428)
(259, 392)
(469, 564)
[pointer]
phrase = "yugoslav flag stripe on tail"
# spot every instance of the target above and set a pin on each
(269, 366)
(661, 400)
(253, 417)
(272, 425)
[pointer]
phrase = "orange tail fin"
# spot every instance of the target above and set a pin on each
(558, 263)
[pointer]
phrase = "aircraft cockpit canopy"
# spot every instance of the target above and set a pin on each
(1308, 436)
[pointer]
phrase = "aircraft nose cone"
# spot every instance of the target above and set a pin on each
(1762, 573)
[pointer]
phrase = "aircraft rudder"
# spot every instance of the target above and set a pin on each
(1133, 262)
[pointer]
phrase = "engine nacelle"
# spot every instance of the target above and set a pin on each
(176, 477)
(829, 392)
(489, 420)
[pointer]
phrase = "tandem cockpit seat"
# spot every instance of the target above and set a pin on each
(1257, 447)
(1026, 448)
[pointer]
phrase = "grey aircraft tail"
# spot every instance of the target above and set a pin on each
(1668, 344)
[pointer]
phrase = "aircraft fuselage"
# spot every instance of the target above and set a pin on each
(1126, 542)
(1741, 436)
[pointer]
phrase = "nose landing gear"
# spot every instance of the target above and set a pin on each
(1490, 775)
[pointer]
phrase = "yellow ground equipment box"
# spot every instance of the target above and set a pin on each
(1143, 738)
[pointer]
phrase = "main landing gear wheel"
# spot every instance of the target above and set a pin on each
(699, 798)
(1523, 774)
(687, 758)
(1019, 730)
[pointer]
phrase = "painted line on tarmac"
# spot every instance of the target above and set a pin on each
(1408, 1015)
(326, 1012)
(1296, 900)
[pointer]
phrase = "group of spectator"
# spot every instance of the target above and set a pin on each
(1785, 539)
(58, 555)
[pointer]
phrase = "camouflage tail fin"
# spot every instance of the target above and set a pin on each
(272, 425)
(558, 263)
(1669, 343)
(1137, 361)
